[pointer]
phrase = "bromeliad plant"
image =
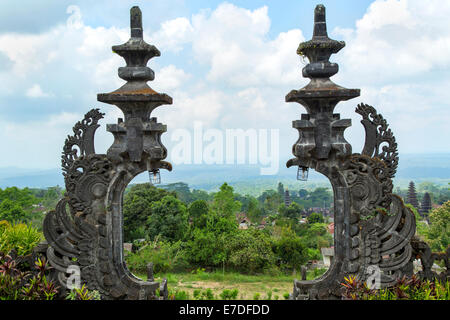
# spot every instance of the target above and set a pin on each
(353, 289)
(34, 284)
(83, 294)
(412, 288)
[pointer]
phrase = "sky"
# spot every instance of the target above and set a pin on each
(227, 64)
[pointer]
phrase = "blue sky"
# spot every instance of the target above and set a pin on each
(227, 64)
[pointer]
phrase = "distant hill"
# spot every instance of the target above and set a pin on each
(245, 178)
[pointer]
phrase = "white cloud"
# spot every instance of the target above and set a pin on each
(36, 92)
(397, 53)
(71, 52)
(229, 73)
(234, 42)
(37, 141)
(173, 34)
(187, 107)
(397, 39)
(170, 78)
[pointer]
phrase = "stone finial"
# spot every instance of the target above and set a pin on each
(136, 22)
(320, 48)
(138, 134)
(320, 24)
(136, 53)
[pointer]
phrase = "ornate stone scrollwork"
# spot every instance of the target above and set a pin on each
(85, 230)
(377, 135)
(373, 228)
(83, 138)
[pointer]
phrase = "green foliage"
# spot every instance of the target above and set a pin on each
(290, 250)
(206, 248)
(250, 251)
(404, 289)
(271, 201)
(315, 218)
(183, 192)
(229, 294)
(168, 219)
(280, 189)
(12, 211)
(137, 208)
(253, 209)
(22, 197)
(165, 256)
(320, 197)
(224, 204)
(178, 294)
(19, 237)
(317, 272)
(303, 193)
(83, 294)
(51, 197)
(315, 236)
(198, 213)
(203, 294)
(257, 296)
(439, 231)
(16, 284)
(294, 211)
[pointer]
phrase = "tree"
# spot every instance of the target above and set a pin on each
(11, 211)
(320, 197)
(181, 189)
(168, 219)
(198, 213)
(439, 231)
(137, 208)
(290, 250)
(317, 236)
(23, 197)
(271, 201)
(294, 211)
(200, 195)
(426, 204)
(51, 196)
(411, 198)
(206, 248)
(224, 203)
(280, 189)
(254, 212)
(250, 251)
(315, 218)
(303, 193)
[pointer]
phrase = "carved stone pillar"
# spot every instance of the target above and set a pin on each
(373, 228)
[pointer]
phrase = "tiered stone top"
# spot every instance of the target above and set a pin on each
(320, 69)
(136, 53)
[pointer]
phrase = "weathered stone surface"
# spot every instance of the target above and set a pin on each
(373, 228)
(86, 228)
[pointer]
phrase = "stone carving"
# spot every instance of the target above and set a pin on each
(85, 229)
(373, 228)
(422, 251)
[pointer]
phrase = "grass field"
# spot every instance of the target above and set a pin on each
(250, 287)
